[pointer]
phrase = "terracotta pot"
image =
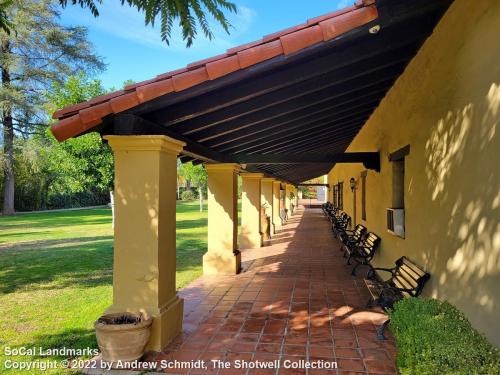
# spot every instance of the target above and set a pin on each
(122, 342)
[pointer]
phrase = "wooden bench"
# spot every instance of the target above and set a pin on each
(351, 238)
(406, 279)
(363, 252)
(340, 223)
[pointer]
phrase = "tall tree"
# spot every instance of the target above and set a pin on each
(40, 53)
(195, 175)
(189, 13)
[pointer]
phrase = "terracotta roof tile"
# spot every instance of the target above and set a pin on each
(79, 118)
(124, 102)
(341, 24)
(61, 113)
(301, 39)
(106, 97)
(260, 53)
(189, 79)
(237, 49)
(318, 19)
(172, 73)
(67, 127)
(133, 86)
(154, 90)
(222, 67)
(96, 112)
(199, 63)
(286, 31)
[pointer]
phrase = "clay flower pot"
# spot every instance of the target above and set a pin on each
(122, 336)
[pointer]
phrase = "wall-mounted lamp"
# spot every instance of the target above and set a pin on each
(352, 182)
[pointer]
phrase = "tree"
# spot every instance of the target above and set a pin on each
(86, 162)
(39, 54)
(195, 175)
(5, 24)
(190, 14)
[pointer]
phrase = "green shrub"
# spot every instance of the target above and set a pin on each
(434, 337)
(187, 195)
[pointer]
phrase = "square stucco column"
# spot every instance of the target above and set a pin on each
(222, 257)
(266, 194)
(250, 235)
(144, 262)
(288, 201)
(276, 206)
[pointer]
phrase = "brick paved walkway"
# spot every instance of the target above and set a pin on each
(294, 300)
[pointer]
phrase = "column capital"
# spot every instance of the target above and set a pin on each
(251, 175)
(144, 143)
(222, 167)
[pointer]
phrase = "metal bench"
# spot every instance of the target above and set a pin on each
(363, 252)
(406, 279)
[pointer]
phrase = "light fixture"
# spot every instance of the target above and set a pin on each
(375, 29)
(352, 182)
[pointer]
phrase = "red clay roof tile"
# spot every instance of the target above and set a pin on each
(154, 90)
(339, 25)
(96, 112)
(124, 102)
(260, 53)
(189, 79)
(286, 31)
(301, 39)
(199, 63)
(237, 49)
(172, 73)
(70, 109)
(106, 97)
(318, 19)
(133, 86)
(81, 117)
(222, 67)
(67, 128)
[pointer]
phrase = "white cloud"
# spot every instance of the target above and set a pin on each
(127, 23)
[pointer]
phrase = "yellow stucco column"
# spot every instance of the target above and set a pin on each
(144, 248)
(250, 235)
(288, 201)
(222, 257)
(276, 206)
(266, 195)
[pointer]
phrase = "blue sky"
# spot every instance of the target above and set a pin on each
(134, 51)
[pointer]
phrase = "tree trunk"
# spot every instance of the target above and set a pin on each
(201, 198)
(8, 142)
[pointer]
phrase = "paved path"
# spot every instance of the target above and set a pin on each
(295, 299)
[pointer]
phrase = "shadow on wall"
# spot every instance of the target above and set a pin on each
(462, 170)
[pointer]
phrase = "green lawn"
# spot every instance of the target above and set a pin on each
(56, 275)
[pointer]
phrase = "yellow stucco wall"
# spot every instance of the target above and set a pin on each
(446, 106)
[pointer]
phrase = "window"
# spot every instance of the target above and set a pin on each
(363, 195)
(398, 176)
(335, 194)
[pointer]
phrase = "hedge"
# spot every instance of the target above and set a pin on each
(434, 337)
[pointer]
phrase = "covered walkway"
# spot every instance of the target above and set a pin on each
(293, 300)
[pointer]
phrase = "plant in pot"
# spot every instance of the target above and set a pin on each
(123, 336)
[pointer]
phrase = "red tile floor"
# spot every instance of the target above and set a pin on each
(294, 299)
